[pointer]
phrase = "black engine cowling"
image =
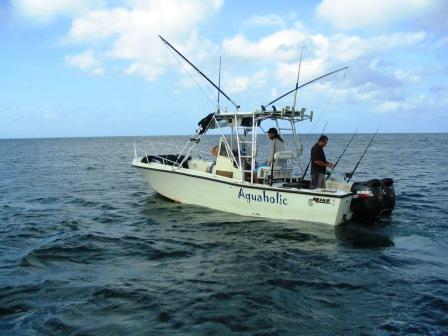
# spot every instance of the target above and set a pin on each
(372, 198)
(388, 195)
(368, 200)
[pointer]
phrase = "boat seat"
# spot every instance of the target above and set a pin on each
(281, 169)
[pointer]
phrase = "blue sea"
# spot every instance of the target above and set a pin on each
(88, 248)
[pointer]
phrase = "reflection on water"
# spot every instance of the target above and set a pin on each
(361, 235)
(355, 234)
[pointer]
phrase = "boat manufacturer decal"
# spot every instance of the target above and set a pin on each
(263, 197)
(321, 200)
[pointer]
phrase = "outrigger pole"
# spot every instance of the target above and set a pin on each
(297, 83)
(301, 86)
(353, 136)
(200, 72)
(350, 175)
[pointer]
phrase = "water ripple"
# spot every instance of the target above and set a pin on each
(87, 248)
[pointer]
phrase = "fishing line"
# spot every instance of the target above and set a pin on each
(194, 80)
(349, 176)
(329, 100)
(343, 152)
(200, 72)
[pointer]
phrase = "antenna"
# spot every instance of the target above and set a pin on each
(219, 81)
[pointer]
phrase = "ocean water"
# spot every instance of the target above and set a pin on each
(88, 248)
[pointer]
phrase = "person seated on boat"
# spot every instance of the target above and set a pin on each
(214, 152)
(277, 145)
(319, 163)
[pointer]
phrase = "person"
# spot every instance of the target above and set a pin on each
(319, 163)
(277, 145)
(214, 152)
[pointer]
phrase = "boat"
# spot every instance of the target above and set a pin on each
(233, 180)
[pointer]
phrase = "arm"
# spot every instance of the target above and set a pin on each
(318, 158)
(323, 164)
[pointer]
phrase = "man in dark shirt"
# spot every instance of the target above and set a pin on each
(319, 163)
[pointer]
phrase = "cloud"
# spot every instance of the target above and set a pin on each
(411, 103)
(131, 33)
(282, 45)
(352, 14)
(286, 73)
(387, 86)
(285, 45)
(149, 72)
(369, 81)
(44, 11)
(323, 53)
(243, 83)
(407, 76)
(346, 48)
(443, 42)
(85, 61)
(271, 20)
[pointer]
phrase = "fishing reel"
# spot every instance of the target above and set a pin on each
(348, 176)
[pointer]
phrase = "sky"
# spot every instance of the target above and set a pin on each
(72, 68)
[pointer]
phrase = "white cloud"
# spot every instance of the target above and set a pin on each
(286, 73)
(85, 61)
(149, 72)
(390, 106)
(285, 45)
(443, 42)
(346, 48)
(282, 45)
(243, 83)
(46, 10)
(131, 33)
(407, 76)
(351, 14)
(362, 93)
(323, 53)
(271, 20)
(279, 53)
(411, 103)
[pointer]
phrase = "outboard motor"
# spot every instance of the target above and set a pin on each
(388, 195)
(367, 201)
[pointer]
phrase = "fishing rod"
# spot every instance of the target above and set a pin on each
(200, 72)
(350, 175)
(297, 83)
(307, 83)
(306, 169)
(337, 161)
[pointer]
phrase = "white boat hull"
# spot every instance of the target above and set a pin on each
(246, 199)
